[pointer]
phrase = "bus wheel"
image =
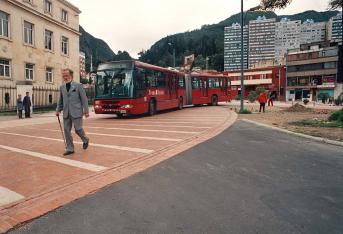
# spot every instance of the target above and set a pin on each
(152, 107)
(214, 101)
(180, 106)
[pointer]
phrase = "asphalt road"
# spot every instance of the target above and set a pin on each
(249, 179)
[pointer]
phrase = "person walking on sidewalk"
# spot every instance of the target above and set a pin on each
(271, 98)
(20, 107)
(262, 99)
(74, 103)
(27, 105)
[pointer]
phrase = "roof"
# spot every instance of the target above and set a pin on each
(67, 3)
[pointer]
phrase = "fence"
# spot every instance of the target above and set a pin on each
(42, 98)
(8, 101)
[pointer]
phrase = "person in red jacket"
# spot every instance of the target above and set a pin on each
(262, 99)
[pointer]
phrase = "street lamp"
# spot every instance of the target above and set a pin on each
(207, 59)
(170, 44)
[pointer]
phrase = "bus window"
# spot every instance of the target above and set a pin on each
(181, 82)
(195, 83)
(161, 79)
(216, 83)
(140, 82)
(151, 78)
(210, 83)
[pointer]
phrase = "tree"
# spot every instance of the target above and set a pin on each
(277, 4)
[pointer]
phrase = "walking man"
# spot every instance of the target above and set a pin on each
(27, 105)
(20, 106)
(73, 101)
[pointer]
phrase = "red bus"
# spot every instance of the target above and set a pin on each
(133, 87)
(207, 88)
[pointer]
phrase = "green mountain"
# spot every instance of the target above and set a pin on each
(209, 40)
(99, 49)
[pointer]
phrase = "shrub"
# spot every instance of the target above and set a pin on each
(337, 116)
(253, 96)
(339, 100)
(245, 111)
(306, 101)
(237, 97)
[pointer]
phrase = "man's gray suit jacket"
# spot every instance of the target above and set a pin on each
(74, 102)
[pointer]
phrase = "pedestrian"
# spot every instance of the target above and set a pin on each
(27, 105)
(20, 107)
(262, 99)
(271, 98)
(74, 103)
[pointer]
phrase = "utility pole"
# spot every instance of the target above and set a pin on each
(242, 59)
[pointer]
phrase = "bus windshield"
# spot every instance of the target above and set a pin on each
(114, 83)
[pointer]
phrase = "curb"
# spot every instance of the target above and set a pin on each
(318, 139)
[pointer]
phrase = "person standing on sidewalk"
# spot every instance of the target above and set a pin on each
(271, 98)
(262, 99)
(74, 103)
(27, 105)
(20, 107)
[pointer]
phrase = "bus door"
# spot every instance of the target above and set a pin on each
(204, 88)
(172, 87)
(196, 90)
(223, 87)
(188, 85)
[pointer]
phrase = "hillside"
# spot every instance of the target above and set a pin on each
(209, 40)
(99, 49)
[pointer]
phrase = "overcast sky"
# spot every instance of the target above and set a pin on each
(133, 25)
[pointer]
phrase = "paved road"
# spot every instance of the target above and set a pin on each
(249, 179)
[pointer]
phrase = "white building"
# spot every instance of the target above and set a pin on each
(312, 32)
(334, 29)
(287, 36)
(261, 40)
(232, 47)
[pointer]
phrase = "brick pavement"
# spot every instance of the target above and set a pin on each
(35, 178)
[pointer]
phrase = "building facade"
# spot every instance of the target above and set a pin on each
(261, 40)
(232, 47)
(312, 32)
(272, 79)
(313, 71)
(287, 36)
(38, 38)
(334, 29)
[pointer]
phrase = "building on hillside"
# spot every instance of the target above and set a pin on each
(261, 40)
(287, 36)
(312, 32)
(334, 29)
(272, 79)
(37, 40)
(83, 74)
(232, 47)
(314, 70)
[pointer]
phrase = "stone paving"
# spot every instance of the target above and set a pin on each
(35, 178)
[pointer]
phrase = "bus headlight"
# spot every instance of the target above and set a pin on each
(126, 106)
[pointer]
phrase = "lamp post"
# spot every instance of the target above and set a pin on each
(207, 59)
(170, 44)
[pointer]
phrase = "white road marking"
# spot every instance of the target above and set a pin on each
(151, 125)
(131, 149)
(150, 121)
(8, 196)
(123, 136)
(69, 162)
(144, 130)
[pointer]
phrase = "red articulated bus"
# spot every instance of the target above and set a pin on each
(208, 87)
(133, 87)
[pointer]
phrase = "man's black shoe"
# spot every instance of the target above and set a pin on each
(68, 153)
(85, 145)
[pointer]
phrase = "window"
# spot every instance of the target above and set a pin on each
(48, 6)
(5, 69)
(181, 82)
(28, 33)
(195, 83)
(64, 46)
(64, 16)
(48, 39)
(161, 80)
(29, 71)
(4, 19)
(49, 75)
(152, 79)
